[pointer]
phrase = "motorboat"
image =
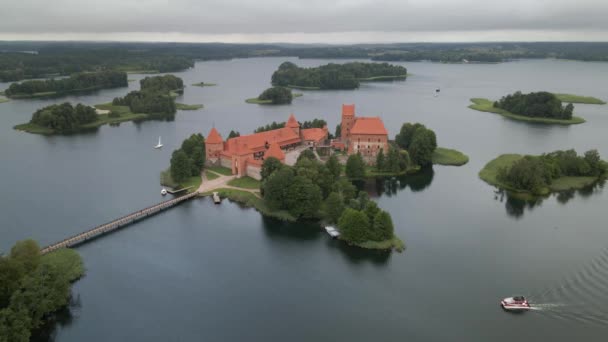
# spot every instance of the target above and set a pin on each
(332, 231)
(516, 303)
(159, 145)
(163, 192)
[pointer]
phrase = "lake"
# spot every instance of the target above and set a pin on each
(225, 273)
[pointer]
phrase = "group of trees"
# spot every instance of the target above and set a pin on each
(189, 159)
(362, 221)
(535, 173)
(278, 95)
(64, 117)
(153, 98)
(31, 288)
(314, 123)
(269, 127)
(419, 141)
(234, 134)
(538, 104)
(394, 161)
(332, 76)
(76, 82)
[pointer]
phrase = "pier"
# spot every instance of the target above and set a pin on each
(117, 224)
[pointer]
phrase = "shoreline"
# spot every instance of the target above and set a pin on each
(485, 105)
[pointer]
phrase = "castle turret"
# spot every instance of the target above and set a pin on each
(214, 144)
(293, 124)
(348, 120)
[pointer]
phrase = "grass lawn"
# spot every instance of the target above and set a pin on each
(489, 172)
(569, 183)
(221, 170)
(211, 175)
(485, 105)
(394, 243)
(68, 261)
(256, 100)
(182, 106)
(579, 99)
(251, 200)
(194, 182)
(446, 156)
(3, 99)
(203, 84)
(245, 182)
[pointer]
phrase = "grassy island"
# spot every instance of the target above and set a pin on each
(579, 99)
(541, 175)
(446, 156)
(204, 84)
(182, 106)
(485, 105)
(34, 287)
(80, 82)
(335, 76)
(274, 96)
(186, 164)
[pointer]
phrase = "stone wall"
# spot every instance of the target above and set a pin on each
(226, 162)
(253, 171)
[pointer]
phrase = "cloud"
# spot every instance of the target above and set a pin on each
(378, 19)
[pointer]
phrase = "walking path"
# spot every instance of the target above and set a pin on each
(221, 182)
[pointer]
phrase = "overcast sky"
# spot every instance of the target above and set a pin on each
(310, 21)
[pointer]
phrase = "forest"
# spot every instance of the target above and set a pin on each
(333, 76)
(76, 82)
(153, 98)
(537, 104)
(64, 118)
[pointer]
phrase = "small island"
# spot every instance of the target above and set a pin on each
(335, 76)
(34, 287)
(182, 106)
(541, 175)
(274, 96)
(540, 107)
(186, 165)
(84, 81)
(204, 84)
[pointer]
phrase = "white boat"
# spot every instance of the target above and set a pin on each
(163, 192)
(159, 145)
(332, 231)
(517, 303)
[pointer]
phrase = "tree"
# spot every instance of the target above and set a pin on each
(26, 253)
(276, 188)
(393, 161)
(355, 167)
(334, 206)
(371, 209)
(181, 167)
(345, 188)
(334, 166)
(278, 95)
(592, 157)
(338, 131)
(354, 225)
(406, 134)
(380, 163)
(303, 198)
(308, 154)
(383, 225)
(234, 134)
(270, 165)
(423, 146)
(11, 272)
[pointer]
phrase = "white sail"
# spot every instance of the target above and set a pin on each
(160, 144)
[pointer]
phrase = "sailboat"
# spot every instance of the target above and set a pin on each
(159, 144)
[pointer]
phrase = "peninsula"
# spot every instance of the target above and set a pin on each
(540, 107)
(541, 175)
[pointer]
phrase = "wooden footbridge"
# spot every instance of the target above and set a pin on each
(117, 224)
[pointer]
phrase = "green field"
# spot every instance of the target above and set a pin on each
(446, 156)
(182, 106)
(579, 99)
(490, 171)
(245, 182)
(203, 84)
(221, 170)
(211, 175)
(394, 243)
(194, 182)
(248, 199)
(485, 105)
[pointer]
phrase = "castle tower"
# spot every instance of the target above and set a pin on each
(348, 120)
(293, 124)
(214, 144)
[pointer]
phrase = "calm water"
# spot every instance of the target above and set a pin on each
(221, 273)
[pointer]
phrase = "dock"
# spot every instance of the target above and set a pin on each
(332, 231)
(117, 223)
(216, 198)
(173, 192)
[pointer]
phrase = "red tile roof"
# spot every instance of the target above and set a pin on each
(348, 110)
(275, 151)
(257, 142)
(292, 122)
(313, 134)
(368, 125)
(214, 137)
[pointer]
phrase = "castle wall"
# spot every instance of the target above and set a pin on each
(254, 172)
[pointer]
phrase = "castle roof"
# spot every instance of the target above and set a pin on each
(292, 122)
(313, 134)
(368, 125)
(275, 151)
(348, 110)
(214, 137)
(257, 142)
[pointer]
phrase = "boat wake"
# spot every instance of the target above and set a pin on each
(582, 297)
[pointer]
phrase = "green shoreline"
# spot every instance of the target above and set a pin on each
(449, 157)
(3, 99)
(203, 84)
(183, 106)
(56, 93)
(490, 171)
(368, 79)
(485, 105)
(579, 99)
(255, 100)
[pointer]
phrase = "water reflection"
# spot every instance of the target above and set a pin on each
(516, 204)
(389, 186)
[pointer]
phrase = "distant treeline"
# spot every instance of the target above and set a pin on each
(153, 98)
(76, 82)
(539, 104)
(315, 123)
(46, 59)
(333, 76)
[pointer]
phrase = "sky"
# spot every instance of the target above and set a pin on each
(309, 21)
